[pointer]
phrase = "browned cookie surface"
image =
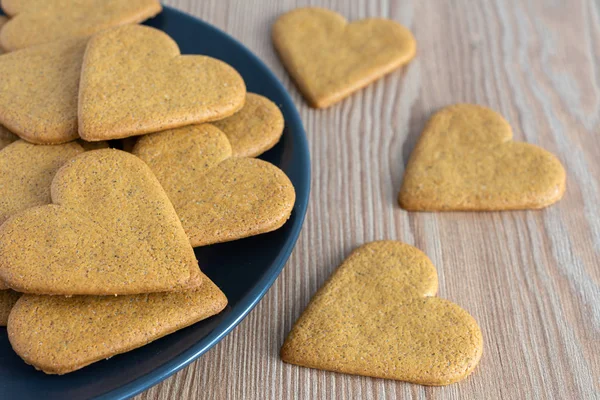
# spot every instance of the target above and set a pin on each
(110, 230)
(40, 85)
(62, 334)
(218, 198)
(135, 81)
(329, 58)
(377, 316)
(466, 160)
(41, 21)
(254, 129)
(26, 174)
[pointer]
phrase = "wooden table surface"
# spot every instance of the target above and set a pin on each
(531, 279)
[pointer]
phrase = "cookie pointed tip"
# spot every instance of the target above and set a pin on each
(405, 201)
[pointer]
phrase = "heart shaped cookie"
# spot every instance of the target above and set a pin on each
(217, 198)
(42, 21)
(254, 129)
(329, 58)
(110, 230)
(466, 160)
(26, 173)
(62, 334)
(134, 81)
(42, 111)
(376, 316)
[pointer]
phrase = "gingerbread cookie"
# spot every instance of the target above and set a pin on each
(376, 316)
(38, 100)
(217, 198)
(134, 81)
(110, 230)
(26, 173)
(466, 160)
(59, 334)
(254, 129)
(329, 58)
(41, 21)
(6, 137)
(8, 298)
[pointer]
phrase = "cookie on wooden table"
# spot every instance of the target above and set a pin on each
(58, 334)
(35, 22)
(110, 230)
(465, 160)
(329, 58)
(256, 128)
(377, 316)
(134, 81)
(218, 198)
(38, 100)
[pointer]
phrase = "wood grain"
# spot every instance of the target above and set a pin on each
(531, 279)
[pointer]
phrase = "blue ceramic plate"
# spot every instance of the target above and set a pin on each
(244, 269)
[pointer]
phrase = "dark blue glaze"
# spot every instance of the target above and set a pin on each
(244, 269)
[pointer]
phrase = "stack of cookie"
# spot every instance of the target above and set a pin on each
(99, 241)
